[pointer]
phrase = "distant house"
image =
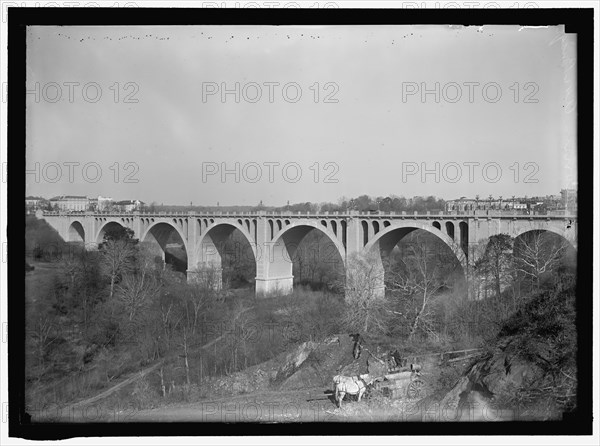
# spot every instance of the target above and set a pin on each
(128, 205)
(463, 204)
(33, 201)
(70, 203)
(32, 204)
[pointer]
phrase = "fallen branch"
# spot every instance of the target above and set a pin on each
(463, 358)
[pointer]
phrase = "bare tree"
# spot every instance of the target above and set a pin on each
(185, 345)
(43, 333)
(476, 281)
(118, 259)
(209, 276)
(171, 308)
(423, 272)
(137, 290)
(538, 253)
(70, 266)
(365, 293)
(88, 272)
(241, 321)
(166, 316)
(200, 299)
(498, 261)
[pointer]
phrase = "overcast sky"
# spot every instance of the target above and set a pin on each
(372, 122)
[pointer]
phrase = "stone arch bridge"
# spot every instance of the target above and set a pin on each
(274, 237)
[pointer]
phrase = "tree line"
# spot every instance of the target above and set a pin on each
(362, 203)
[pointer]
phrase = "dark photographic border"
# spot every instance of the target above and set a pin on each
(579, 21)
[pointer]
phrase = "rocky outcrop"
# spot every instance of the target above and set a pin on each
(501, 372)
(331, 357)
(310, 364)
(264, 375)
(293, 360)
(532, 359)
(452, 399)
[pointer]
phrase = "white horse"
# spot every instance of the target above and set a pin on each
(353, 385)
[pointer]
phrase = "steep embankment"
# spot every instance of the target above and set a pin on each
(311, 364)
(531, 367)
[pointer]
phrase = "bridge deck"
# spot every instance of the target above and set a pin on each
(392, 215)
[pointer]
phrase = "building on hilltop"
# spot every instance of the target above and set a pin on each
(565, 202)
(33, 201)
(32, 204)
(77, 203)
(464, 204)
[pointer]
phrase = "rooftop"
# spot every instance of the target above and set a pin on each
(69, 197)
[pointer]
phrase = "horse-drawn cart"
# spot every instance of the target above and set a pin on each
(404, 377)
(405, 383)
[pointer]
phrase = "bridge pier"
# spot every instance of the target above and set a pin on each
(91, 246)
(379, 292)
(273, 266)
(274, 285)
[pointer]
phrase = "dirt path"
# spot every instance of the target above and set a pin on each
(294, 406)
(113, 389)
(261, 407)
(317, 405)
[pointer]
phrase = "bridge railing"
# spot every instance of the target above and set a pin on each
(326, 214)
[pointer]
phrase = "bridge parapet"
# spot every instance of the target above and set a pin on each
(326, 214)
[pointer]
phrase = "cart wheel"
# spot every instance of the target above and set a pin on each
(416, 389)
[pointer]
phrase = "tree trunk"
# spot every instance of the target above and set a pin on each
(112, 285)
(162, 383)
(416, 322)
(414, 327)
(185, 356)
(498, 290)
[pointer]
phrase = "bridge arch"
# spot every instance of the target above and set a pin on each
(210, 250)
(384, 242)
(568, 235)
(404, 229)
(283, 249)
(106, 224)
(157, 237)
(75, 232)
(545, 245)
